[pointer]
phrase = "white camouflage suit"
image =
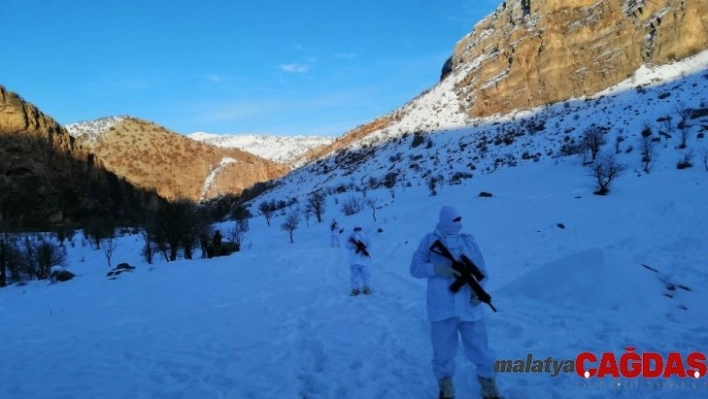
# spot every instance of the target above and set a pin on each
(334, 234)
(451, 313)
(359, 264)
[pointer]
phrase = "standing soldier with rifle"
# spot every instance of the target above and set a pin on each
(334, 234)
(358, 245)
(456, 273)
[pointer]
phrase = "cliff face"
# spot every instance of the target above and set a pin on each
(346, 140)
(18, 116)
(534, 52)
(46, 178)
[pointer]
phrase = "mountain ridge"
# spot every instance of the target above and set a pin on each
(521, 57)
(278, 148)
(151, 156)
(448, 146)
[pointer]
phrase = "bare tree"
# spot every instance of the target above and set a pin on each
(147, 244)
(372, 203)
(7, 249)
(64, 232)
(38, 258)
(703, 153)
(684, 113)
(109, 246)
(308, 213)
(267, 210)
(647, 149)
(241, 214)
(236, 235)
(605, 169)
(593, 140)
(432, 185)
(667, 123)
(352, 205)
(290, 224)
(683, 134)
(316, 200)
(180, 223)
(618, 140)
(98, 230)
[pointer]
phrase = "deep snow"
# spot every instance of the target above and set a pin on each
(275, 320)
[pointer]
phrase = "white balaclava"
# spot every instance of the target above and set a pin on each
(446, 224)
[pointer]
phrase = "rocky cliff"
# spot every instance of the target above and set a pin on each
(47, 178)
(534, 52)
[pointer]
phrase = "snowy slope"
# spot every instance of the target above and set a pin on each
(275, 320)
(430, 138)
(282, 149)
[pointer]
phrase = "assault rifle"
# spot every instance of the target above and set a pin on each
(360, 247)
(469, 273)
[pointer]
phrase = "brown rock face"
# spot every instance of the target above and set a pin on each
(535, 52)
(347, 139)
(151, 157)
(46, 178)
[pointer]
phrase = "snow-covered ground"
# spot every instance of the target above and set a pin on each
(275, 320)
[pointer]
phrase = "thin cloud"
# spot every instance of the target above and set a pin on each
(345, 56)
(118, 86)
(294, 68)
(249, 110)
(420, 62)
(215, 78)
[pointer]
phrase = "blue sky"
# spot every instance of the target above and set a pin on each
(315, 67)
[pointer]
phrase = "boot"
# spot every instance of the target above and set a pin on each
(447, 390)
(488, 388)
(367, 291)
(355, 292)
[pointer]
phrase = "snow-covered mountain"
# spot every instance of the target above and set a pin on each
(282, 149)
(89, 132)
(147, 155)
(430, 138)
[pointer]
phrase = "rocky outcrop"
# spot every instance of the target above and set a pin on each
(447, 68)
(18, 116)
(534, 52)
(346, 140)
(47, 178)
